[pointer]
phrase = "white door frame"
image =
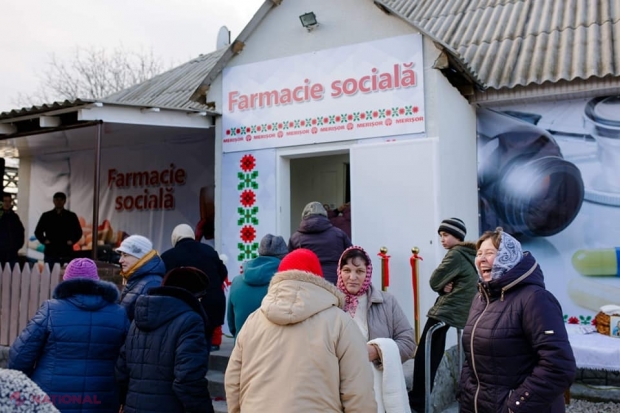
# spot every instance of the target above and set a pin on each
(283, 176)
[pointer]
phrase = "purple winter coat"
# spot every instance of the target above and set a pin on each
(317, 234)
(517, 354)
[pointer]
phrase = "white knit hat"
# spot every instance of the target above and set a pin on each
(180, 232)
(136, 245)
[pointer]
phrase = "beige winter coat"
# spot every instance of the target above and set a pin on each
(299, 352)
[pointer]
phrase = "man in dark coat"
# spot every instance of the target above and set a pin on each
(187, 252)
(163, 365)
(318, 235)
(58, 230)
(11, 232)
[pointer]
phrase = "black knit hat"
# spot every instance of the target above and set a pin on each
(189, 278)
(453, 226)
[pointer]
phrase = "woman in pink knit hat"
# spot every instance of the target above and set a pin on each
(70, 346)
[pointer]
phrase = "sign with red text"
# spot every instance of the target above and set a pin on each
(145, 189)
(363, 90)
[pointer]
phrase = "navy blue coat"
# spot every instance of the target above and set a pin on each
(149, 275)
(317, 234)
(190, 253)
(517, 351)
(71, 345)
(163, 364)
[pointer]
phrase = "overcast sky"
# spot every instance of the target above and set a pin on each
(175, 30)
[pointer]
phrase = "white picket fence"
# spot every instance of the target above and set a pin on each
(22, 292)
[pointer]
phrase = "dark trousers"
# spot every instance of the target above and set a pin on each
(438, 347)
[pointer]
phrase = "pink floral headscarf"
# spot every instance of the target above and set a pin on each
(351, 300)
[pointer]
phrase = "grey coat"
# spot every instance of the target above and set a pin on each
(386, 319)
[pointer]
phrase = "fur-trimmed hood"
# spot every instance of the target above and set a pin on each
(87, 294)
(293, 296)
(467, 244)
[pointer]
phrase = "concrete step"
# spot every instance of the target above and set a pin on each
(220, 406)
(216, 384)
(218, 360)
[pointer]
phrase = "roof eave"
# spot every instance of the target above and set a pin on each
(200, 94)
(456, 60)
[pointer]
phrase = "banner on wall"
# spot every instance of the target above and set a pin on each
(350, 92)
(548, 173)
(145, 190)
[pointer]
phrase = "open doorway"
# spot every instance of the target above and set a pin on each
(319, 178)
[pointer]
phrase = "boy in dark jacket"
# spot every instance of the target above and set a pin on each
(163, 364)
(456, 282)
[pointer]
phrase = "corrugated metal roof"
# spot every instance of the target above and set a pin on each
(506, 43)
(171, 89)
(33, 110)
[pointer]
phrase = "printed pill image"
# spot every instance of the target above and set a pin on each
(591, 294)
(597, 262)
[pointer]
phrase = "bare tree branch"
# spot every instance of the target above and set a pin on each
(92, 73)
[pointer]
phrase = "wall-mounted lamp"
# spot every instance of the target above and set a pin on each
(308, 20)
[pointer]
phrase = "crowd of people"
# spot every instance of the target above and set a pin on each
(311, 331)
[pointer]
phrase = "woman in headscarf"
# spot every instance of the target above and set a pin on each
(383, 325)
(376, 312)
(517, 354)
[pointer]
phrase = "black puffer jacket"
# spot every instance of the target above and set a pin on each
(163, 364)
(518, 356)
(11, 235)
(190, 253)
(317, 234)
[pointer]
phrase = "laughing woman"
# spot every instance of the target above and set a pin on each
(517, 354)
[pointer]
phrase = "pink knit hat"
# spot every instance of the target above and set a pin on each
(81, 268)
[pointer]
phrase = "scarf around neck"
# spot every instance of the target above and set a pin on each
(352, 300)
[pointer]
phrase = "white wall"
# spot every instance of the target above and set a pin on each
(453, 120)
(449, 117)
(341, 22)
